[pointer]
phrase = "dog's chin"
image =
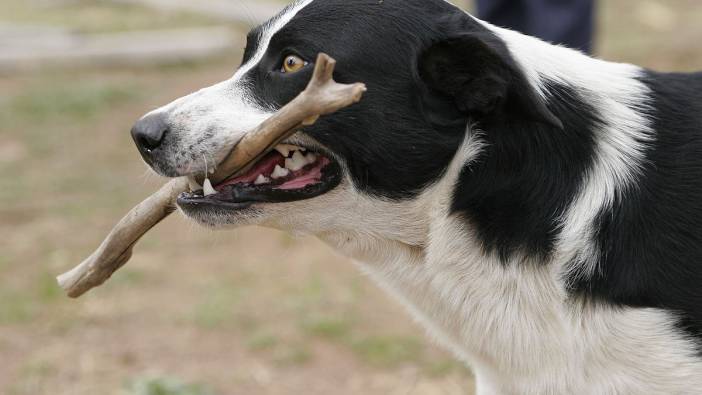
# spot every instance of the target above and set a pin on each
(273, 180)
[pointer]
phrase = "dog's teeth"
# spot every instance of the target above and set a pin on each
(279, 172)
(311, 158)
(262, 180)
(286, 149)
(297, 161)
(208, 189)
(283, 149)
(194, 185)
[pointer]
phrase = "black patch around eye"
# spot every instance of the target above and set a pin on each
(389, 143)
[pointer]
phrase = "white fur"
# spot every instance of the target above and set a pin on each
(209, 122)
(614, 90)
(513, 322)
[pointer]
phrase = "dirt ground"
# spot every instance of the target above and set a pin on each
(196, 312)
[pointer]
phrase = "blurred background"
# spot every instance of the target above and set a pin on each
(195, 312)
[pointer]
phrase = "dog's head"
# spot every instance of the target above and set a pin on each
(430, 70)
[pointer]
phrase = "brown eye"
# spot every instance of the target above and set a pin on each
(293, 64)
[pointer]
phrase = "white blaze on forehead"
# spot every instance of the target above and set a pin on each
(206, 124)
(269, 31)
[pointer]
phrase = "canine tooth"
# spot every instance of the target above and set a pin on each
(311, 158)
(208, 189)
(279, 172)
(297, 162)
(194, 185)
(262, 180)
(286, 149)
(282, 150)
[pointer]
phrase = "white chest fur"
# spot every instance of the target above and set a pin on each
(514, 323)
(518, 330)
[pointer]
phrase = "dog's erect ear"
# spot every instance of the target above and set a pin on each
(477, 71)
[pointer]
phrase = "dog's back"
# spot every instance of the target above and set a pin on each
(651, 237)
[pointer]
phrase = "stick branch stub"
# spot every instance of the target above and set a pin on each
(321, 97)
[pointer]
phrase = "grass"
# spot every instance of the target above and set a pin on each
(262, 342)
(217, 308)
(47, 291)
(16, 308)
(164, 386)
(292, 354)
(33, 377)
(81, 101)
(334, 327)
(388, 351)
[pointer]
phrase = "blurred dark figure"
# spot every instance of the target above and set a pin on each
(567, 22)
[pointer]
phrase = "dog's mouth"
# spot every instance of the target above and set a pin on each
(286, 174)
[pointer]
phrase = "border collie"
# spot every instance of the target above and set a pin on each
(537, 210)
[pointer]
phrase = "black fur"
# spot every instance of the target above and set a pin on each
(535, 154)
(431, 70)
(528, 175)
(402, 136)
(651, 240)
(476, 70)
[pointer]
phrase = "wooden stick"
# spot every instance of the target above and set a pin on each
(116, 250)
(321, 97)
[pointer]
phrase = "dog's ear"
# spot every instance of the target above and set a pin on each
(478, 73)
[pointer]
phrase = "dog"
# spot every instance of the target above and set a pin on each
(537, 210)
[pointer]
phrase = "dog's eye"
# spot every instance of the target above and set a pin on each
(293, 64)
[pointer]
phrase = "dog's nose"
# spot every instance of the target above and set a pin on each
(148, 134)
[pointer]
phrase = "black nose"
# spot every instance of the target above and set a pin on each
(148, 134)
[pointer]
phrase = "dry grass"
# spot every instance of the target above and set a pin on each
(250, 311)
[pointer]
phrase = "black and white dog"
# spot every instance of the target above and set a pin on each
(537, 210)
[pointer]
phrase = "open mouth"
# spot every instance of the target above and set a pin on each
(288, 173)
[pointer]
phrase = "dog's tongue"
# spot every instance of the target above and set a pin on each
(263, 166)
(305, 177)
(271, 171)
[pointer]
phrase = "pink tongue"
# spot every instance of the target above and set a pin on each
(299, 179)
(264, 166)
(306, 177)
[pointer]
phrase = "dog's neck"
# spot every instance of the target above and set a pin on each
(509, 318)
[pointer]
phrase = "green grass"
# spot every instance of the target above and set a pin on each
(164, 386)
(129, 277)
(217, 307)
(96, 16)
(47, 290)
(443, 367)
(328, 327)
(388, 351)
(16, 308)
(281, 351)
(262, 342)
(292, 354)
(33, 378)
(21, 304)
(81, 101)
(4, 261)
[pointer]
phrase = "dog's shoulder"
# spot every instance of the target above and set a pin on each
(650, 238)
